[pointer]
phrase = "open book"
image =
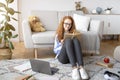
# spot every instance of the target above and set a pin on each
(72, 35)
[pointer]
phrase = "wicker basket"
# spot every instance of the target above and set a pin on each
(5, 54)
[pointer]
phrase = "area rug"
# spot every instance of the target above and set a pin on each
(95, 72)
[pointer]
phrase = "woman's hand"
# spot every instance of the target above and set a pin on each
(62, 41)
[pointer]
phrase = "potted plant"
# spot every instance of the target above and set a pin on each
(6, 28)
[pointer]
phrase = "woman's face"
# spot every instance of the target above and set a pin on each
(67, 24)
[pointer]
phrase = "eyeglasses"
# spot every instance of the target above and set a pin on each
(69, 24)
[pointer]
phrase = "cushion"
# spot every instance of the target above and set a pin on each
(81, 22)
(46, 37)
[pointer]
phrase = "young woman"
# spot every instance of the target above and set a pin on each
(69, 50)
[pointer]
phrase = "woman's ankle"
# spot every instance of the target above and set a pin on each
(80, 67)
(74, 67)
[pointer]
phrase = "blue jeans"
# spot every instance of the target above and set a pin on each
(71, 52)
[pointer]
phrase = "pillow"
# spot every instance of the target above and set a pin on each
(81, 22)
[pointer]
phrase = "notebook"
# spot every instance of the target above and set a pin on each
(42, 67)
(23, 67)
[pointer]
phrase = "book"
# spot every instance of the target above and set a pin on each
(23, 67)
(72, 35)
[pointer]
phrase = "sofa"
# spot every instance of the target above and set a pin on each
(90, 39)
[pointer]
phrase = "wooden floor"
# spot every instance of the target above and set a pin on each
(107, 48)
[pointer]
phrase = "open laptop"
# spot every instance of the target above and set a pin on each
(42, 67)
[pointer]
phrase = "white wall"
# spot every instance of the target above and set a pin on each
(61, 5)
(25, 6)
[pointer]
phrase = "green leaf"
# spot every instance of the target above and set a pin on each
(14, 18)
(1, 29)
(8, 18)
(2, 22)
(9, 1)
(18, 12)
(2, 34)
(10, 44)
(7, 28)
(0, 40)
(11, 27)
(6, 32)
(9, 35)
(15, 36)
(11, 11)
(2, 4)
(1, 37)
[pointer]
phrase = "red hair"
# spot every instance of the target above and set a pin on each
(60, 31)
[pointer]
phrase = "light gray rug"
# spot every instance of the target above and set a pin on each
(95, 71)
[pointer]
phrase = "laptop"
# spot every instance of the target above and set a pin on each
(42, 67)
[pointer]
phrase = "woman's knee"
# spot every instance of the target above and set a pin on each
(76, 40)
(68, 40)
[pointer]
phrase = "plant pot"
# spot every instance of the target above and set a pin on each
(5, 54)
(108, 11)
